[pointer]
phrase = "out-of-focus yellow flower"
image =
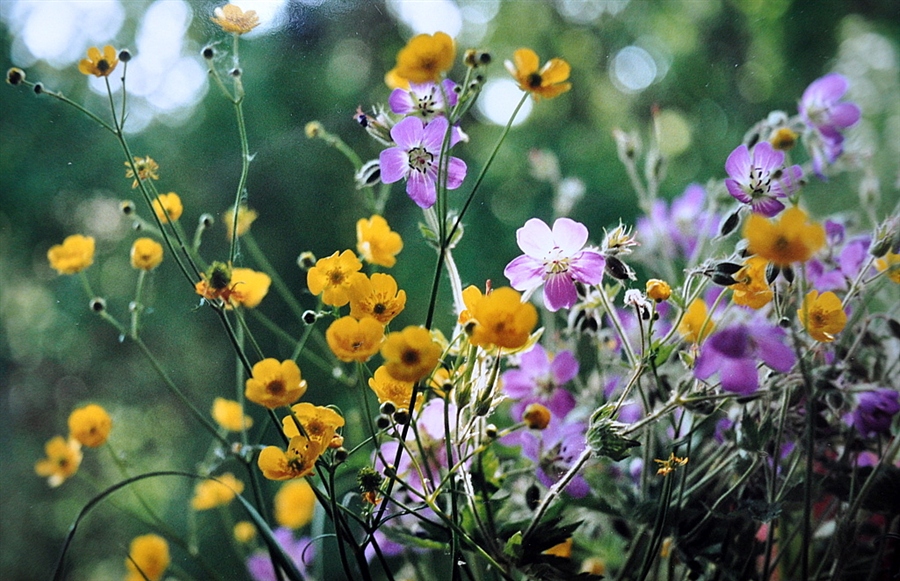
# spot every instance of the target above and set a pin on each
(546, 81)
(295, 504)
(320, 424)
(72, 256)
(501, 319)
(62, 461)
(354, 340)
(791, 239)
(168, 207)
(99, 64)
(90, 425)
(752, 289)
(658, 290)
(297, 461)
(245, 218)
(890, 261)
(822, 315)
(424, 58)
(219, 492)
(229, 414)
(784, 139)
(275, 383)
(248, 287)
(148, 558)
(332, 277)
(244, 531)
(694, 326)
(562, 550)
(388, 389)
(376, 242)
(376, 297)
(232, 19)
(410, 354)
(146, 170)
(536, 416)
(146, 254)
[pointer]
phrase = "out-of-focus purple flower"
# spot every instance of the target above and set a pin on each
(875, 410)
(854, 254)
(683, 223)
(540, 379)
(417, 158)
(553, 451)
(834, 232)
(758, 177)
(826, 116)
(824, 277)
(302, 551)
(733, 353)
(423, 100)
(557, 259)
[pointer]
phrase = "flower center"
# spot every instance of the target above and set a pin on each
(534, 80)
(379, 308)
(760, 182)
(427, 104)
(410, 357)
(275, 387)
(102, 65)
(420, 159)
(336, 277)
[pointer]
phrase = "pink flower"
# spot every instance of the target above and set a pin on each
(423, 100)
(758, 178)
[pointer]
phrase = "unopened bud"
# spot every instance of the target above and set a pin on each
(98, 305)
(124, 55)
(15, 76)
(306, 260)
(208, 52)
(387, 408)
(536, 416)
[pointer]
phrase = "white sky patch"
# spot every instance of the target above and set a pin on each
(498, 100)
(428, 16)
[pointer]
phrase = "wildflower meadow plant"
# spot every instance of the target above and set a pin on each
(709, 393)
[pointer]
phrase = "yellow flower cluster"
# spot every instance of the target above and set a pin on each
(88, 426)
(319, 432)
(72, 256)
(752, 289)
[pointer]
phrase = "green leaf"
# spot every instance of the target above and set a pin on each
(513, 547)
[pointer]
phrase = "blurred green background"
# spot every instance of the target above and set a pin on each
(712, 68)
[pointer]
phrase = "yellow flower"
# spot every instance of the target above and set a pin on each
(148, 558)
(299, 460)
(377, 297)
(536, 416)
(246, 217)
(547, 82)
(562, 550)
(146, 170)
(388, 389)
(248, 287)
(658, 290)
(229, 414)
(790, 239)
(822, 315)
(295, 503)
(146, 254)
(784, 139)
(232, 19)
(333, 276)
(669, 466)
(219, 492)
(320, 424)
(97, 63)
(354, 340)
(74, 255)
(376, 242)
(410, 354)
(471, 295)
(501, 319)
(275, 384)
(168, 207)
(693, 326)
(891, 263)
(244, 531)
(752, 289)
(215, 283)
(62, 461)
(424, 58)
(90, 425)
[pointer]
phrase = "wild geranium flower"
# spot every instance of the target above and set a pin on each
(376, 242)
(301, 551)
(62, 461)
(417, 158)
(146, 254)
(275, 383)
(333, 276)
(424, 100)
(501, 319)
(540, 379)
(758, 178)
(410, 354)
(90, 425)
(555, 258)
(424, 58)
(875, 411)
(822, 315)
(553, 451)
(320, 424)
(668, 229)
(823, 112)
(696, 325)
(295, 504)
(352, 339)
(734, 352)
(72, 256)
(376, 297)
(297, 461)
(146, 170)
(232, 19)
(168, 207)
(148, 558)
(752, 289)
(388, 389)
(246, 217)
(546, 81)
(230, 415)
(248, 287)
(99, 64)
(791, 239)
(211, 493)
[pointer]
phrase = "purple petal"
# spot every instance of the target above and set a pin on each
(433, 135)
(449, 92)
(766, 157)
(401, 102)
(517, 383)
(561, 403)
(559, 292)
(456, 172)
(845, 114)
(773, 352)
(707, 363)
(587, 267)
(738, 163)
(739, 375)
(394, 163)
(420, 187)
(737, 191)
(831, 87)
(535, 238)
(524, 273)
(535, 362)
(564, 367)
(408, 133)
(768, 207)
(569, 235)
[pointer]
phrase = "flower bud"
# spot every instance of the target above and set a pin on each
(206, 220)
(125, 55)
(490, 431)
(383, 422)
(730, 223)
(313, 129)
(401, 416)
(341, 454)
(368, 175)
(387, 408)
(536, 416)
(309, 317)
(38, 88)
(658, 290)
(15, 76)
(98, 305)
(306, 260)
(208, 52)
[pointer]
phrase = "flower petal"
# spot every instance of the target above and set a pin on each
(587, 267)
(421, 189)
(738, 164)
(569, 235)
(845, 114)
(739, 375)
(401, 102)
(456, 173)
(394, 163)
(559, 292)
(535, 238)
(564, 367)
(408, 133)
(433, 135)
(526, 61)
(524, 273)
(766, 157)
(555, 71)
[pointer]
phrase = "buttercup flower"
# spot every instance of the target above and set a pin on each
(540, 379)
(333, 276)
(248, 287)
(424, 58)
(410, 354)
(376, 242)
(168, 207)
(557, 259)
(244, 531)
(146, 254)
(546, 81)
(752, 289)
(875, 411)
(417, 158)
(299, 460)
(232, 19)
(502, 319)
(376, 297)
(99, 64)
(229, 414)
(90, 425)
(275, 383)
(694, 326)
(658, 290)
(759, 179)
(72, 256)
(148, 558)
(891, 263)
(62, 461)
(822, 315)
(246, 217)
(320, 424)
(354, 340)
(388, 389)
(215, 283)
(423, 100)
(146, 170)
(295, 504)
(219, 492)
(821, 110)
(791, 239)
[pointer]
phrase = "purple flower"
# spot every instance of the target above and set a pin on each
(683, 223)
(556, 258)
(417, 158)
(423, 100)
(821, 110)
(875, 410)
(733, 353)
(302, 551)
(553, 451)
(539, 380)
(758, 178)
